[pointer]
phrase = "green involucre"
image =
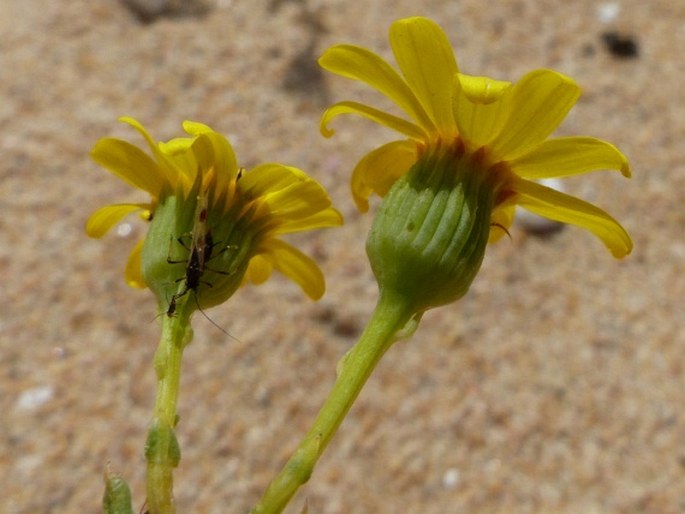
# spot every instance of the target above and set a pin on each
(228, 246)
(429, 236)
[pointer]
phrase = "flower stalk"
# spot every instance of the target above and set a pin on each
(426, 246)
(162, 451)
(388, 320)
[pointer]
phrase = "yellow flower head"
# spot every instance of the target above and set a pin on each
(499, 127)
(211, 221)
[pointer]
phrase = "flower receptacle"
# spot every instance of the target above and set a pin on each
(194, 259)
(429, 236)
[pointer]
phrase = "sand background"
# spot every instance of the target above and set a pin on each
(556, 386)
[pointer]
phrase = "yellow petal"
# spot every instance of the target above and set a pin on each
(500, 221)
(202, 151)
(380, 117)
(166, 165)
(195, 128)
(134, 267)
(129, 163)
(258, 271)
(567, 156)
(478, 110)
(179, 154)
(482, 90)
(297, 201)
(358, 63)
(326, 218)
(269, 178)
(535, 106)
(379, 169)
(176, 146)
(287, 190)
(560, 207)
(224, 161)
(296, 266)
(425, 57)
(102, 220)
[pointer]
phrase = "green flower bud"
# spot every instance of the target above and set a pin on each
(117, 497)
(428, 238)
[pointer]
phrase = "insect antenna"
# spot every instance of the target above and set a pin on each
(224, 331)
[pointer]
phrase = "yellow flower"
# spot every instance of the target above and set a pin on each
(196, 181)
(500, 128)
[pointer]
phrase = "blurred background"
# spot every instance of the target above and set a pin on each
(556, 385)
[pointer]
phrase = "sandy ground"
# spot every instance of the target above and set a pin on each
(555, 386)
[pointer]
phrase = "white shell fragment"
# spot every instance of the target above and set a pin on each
(608, 12)
(451, 478)
(35, 397)
(124, 229)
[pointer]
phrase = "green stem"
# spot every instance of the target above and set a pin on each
(161, 449)
(389, 317)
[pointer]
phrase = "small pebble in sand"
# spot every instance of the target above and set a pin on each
(124, 229)
(608, 11)
(35, 397)
(451, 478)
